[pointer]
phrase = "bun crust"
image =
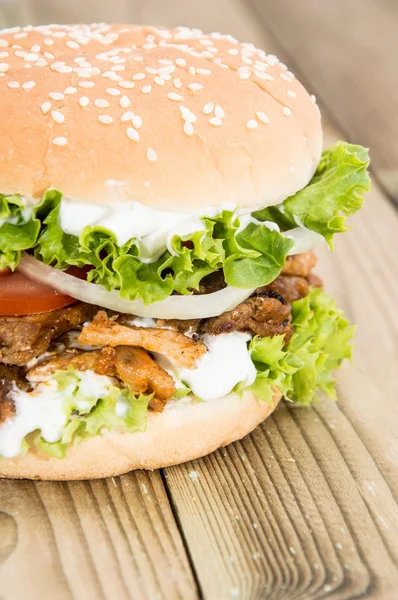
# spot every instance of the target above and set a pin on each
(208, 120)
(179, 434)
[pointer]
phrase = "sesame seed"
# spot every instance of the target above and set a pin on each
(233, 51)
(3, 54)
(187, 115)
(146, 89)
(151, 70)
(113, 91)
(159, 81)
(73, 45)
(31, 56)
(138, 76)
(4, 44)
(218, 111)
(177, 83)
(56, 95)
(118, 68)
(290, 74)
(84, 101)
(188, 128)
(13, 84)
(192, 70)
(151, 155)
(41, 62)
(313, 98)
(64, 69)
(262, 116)
(48, 55)
(165, 61)
(58, 116)
(291, 94)
(132, 134)
(86, 84)
(137, 121)
(28, 85)
(35, 48)
(287, 111)
(70, 90)
(174, 96)
(244, 75)
(4, 67)
(60, 141)
(166, 71)
(266, 76)
(48, 41)
(203, 71)
(127, 85)
(195, 87)
(45, 107)
(107, 119)
(124, 102)
(101, 103)
(215, 121)
(59, 34)
(127, 116)
(208, 108)
(251, 124)
(181, 62)
(19, 36)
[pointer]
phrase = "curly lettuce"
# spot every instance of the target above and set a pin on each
(303, 369)
(250, 258)
(334, 193)
(87, 415)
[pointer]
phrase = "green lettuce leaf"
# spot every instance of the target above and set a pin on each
(249, 258)
(334, 193)
(18, 230)
(98, 414)
(320, 342)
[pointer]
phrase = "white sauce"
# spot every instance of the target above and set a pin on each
(226, 364)
(43, 409)
(153, 229)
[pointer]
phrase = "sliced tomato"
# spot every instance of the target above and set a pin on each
(20, 295)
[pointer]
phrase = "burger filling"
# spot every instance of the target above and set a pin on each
(157, 311)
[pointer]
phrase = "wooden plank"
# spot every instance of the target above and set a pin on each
(114, 538)
(345, 51)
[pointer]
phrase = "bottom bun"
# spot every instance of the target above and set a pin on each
(184, 431)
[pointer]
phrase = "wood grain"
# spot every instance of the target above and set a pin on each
(305, 507)
(114, 538)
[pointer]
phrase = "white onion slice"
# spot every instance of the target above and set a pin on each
(304, 239)
(174, 307)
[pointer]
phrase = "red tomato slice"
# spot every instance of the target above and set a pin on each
(20, 295)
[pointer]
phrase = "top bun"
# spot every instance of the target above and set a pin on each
(171, 118)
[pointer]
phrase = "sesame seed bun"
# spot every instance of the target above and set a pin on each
(168, 118)
(182, 432)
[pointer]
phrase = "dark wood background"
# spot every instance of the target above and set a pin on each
(305, 507)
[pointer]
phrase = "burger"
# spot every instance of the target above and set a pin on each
(162, 192)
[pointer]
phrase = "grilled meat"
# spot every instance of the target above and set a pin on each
(10, 377)
(106, 332)
(25, 338)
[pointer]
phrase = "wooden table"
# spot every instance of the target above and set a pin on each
(305, 507)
